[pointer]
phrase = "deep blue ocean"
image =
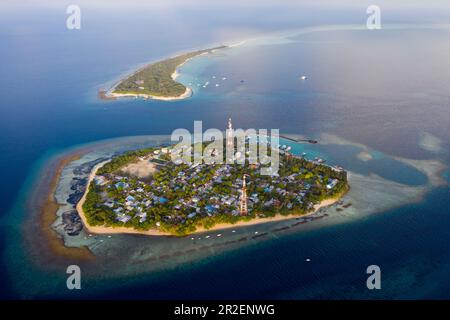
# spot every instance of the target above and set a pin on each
(383, 89)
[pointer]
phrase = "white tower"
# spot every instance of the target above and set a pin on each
(230, 136)
(243, 203)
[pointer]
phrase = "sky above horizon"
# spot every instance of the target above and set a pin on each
(248, 17)
(400, 5)
(167, 3)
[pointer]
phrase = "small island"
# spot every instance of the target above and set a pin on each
(156, 80)
(144, 192)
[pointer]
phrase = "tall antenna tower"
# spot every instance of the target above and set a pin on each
(243, 202)
(230, 137)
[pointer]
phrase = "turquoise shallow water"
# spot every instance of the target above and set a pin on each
(344, 156)
(367, 103)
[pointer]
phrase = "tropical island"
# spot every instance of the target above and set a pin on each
(143, 191)
(156, 80)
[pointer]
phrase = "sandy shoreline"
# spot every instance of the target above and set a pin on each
(153, 232)
(185, 95)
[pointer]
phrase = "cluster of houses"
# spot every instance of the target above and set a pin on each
(134, 197)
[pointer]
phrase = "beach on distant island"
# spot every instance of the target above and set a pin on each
(185, 95)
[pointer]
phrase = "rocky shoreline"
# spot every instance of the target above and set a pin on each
(71, 221)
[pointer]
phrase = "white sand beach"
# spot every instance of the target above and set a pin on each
(185, 95)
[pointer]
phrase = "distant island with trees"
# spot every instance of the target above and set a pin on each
(156, 80)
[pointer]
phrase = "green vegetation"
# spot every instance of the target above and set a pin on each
(156, 78)
(179, 198)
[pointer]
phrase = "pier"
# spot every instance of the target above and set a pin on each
(312, 141)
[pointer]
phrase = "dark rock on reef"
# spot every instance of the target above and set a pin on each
(79, 183)
(72, 222)
(85, 168)
(74, 198)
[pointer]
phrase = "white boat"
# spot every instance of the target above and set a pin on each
(303, 78)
